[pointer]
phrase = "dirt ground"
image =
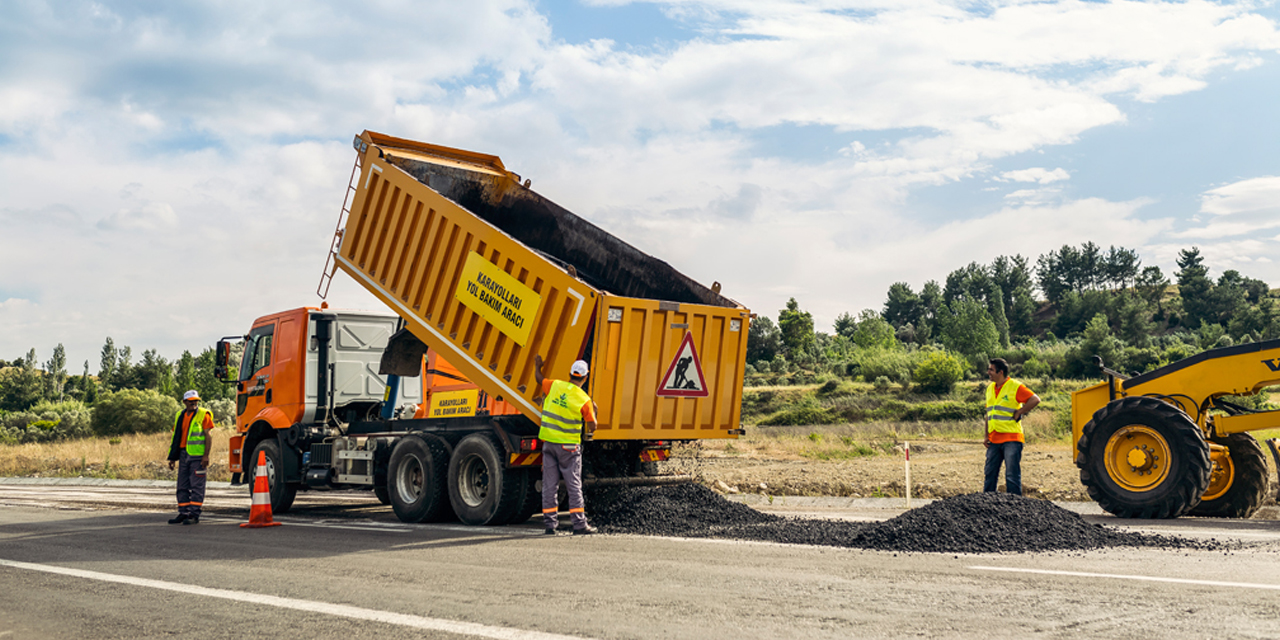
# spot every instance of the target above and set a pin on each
(938, 470)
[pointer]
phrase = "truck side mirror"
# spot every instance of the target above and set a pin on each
(222, 354)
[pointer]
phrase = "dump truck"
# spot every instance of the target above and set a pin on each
(433, 404)
(1168, 443)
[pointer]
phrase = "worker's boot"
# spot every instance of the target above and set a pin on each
(191, 520)
(550, 531)
(587, 530)
(182, 517)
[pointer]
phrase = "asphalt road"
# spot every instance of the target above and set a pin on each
(80, 562)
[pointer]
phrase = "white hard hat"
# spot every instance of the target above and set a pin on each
(579, 368)
(191, 395)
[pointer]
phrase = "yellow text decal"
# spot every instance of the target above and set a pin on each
(499, 298)
(453, 404)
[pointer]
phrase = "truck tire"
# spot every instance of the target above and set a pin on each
(1140, 457)
(531, 499)
(282, 493)
(416, 479)
(481, 489)
(383, 494)
(1238, 489)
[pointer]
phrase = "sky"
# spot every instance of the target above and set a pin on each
(171, 171)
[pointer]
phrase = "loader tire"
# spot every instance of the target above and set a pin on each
(1140, 457)
(416, 479)
(1237, 490)
(481, 489)
(282, 493)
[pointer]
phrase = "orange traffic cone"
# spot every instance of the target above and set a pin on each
(260, 512)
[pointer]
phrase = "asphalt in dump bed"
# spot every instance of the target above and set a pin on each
(973, 523)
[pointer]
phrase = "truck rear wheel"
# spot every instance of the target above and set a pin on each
(1140, 457)
(282, 493)
(481, 489)
(1238, 485)
(416, 479)
(531, 499)
(382, 493)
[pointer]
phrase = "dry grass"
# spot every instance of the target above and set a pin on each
(131, 457)
(847, 441)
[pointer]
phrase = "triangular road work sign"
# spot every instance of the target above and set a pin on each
(684, 377)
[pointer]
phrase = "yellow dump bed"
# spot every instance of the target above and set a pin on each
(488, 273)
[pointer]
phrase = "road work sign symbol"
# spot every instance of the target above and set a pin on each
(684, 377)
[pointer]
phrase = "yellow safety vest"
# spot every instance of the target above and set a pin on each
(562, 413)
(1000, 408)
(195, 432)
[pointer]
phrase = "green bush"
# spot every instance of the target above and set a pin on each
(1035, 368)
(945, 411)
(224, 410)
(892, 364)
(133, 411)
(938, 372)
(45, 426)
(883, 382)
(805, 414)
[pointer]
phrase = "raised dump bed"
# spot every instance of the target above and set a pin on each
(488, 273)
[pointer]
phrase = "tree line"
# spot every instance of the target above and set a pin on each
(45, 401)
(1049, 317)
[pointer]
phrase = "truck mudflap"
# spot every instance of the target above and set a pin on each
(236, 447)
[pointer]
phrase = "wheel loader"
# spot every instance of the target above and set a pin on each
(1166, 443)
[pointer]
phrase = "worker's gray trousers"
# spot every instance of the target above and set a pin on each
(190, 484)
(562, 461)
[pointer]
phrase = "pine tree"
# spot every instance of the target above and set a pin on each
(185, 380)
(107, 366)
(55, 374)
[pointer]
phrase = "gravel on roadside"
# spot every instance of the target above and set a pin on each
(971, 523)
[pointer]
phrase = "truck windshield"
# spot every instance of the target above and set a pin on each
(257, 351)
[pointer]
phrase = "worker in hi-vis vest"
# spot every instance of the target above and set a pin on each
(567, 412)
(190, 451)
(1008, 401)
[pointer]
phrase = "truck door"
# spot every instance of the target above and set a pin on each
(254, 389)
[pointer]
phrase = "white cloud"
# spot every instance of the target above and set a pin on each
(146, 217)
(1035, 174)
(1245, 196)
(132, 136)
(1236, 209)
(15, 304)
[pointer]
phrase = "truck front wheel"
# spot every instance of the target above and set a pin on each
(481, 489)
(282, 494)
(416, 479)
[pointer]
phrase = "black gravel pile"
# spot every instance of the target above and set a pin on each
(974, 523)
(1000, 522)
(685, 510)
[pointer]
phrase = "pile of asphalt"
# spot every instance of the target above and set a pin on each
(973, 523)
(679, 510)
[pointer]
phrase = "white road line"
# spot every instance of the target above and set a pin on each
(1116, 576)
(345, 611)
